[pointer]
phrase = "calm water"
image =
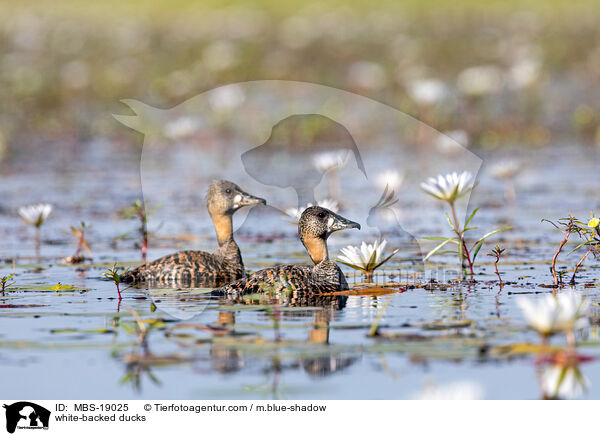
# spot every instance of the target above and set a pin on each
(81, 343)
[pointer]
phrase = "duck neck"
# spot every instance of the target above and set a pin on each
(224, 228)
(317, 249)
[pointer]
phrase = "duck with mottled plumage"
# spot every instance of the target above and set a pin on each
(315, 226)
(222, 266)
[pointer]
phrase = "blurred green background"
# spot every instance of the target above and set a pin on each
(502, 73)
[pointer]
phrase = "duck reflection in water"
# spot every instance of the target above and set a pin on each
(228, 358)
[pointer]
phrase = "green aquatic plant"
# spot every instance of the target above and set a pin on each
(449, 188)
(113, 275)
(591, 239)
(567, 226)
(374, 329)
(139, 210)
(141, 360)
(5, 282)
(497, 253)
(79, 233)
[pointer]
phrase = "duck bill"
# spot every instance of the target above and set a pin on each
(249, 200)
(340, 223)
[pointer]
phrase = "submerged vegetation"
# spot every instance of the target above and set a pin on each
(79, 233)
(6, 283)
(114, 276)
(497, 252)
(591, 241)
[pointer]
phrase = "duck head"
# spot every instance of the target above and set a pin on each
(222, 200)
(225, 197)
(315, 226)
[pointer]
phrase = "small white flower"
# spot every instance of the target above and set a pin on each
(480, 80)
(328, 203)
(452, 143)
(365, 258)
(182, 127)
(391, 179)
(524, 73)
(330, 160)
(564, 382)
(506, 169)
(370, 75)
(226, 98)
(460, 390)
(427, 91)
(296, 212)
(35, 214)
(551, 314)
(449, 187)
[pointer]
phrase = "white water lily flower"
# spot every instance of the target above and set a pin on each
(563, 382)
(331, 160)
(35, 214)
(296, 212)
(480, 80)
(365, 258)
(226, 98)
(370, 75)
(391, 179)
(524, 73)
(449, 187)
(551, 314)
(181, 128)
(460, 390)
(361, 256)
(452, 143)
(506, 169)
(427, 91)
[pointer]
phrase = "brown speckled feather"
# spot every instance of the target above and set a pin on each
(322, 278)
(199, 268)
(314, 227)
(188, 266)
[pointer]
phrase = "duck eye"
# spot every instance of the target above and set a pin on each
(228, 191)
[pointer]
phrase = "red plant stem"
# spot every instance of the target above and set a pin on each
(468, 255)
(80, 243)
(579, 264)
(144, 247)
(142, 215)
(118, 291)
(497, 273)
(553, 265)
